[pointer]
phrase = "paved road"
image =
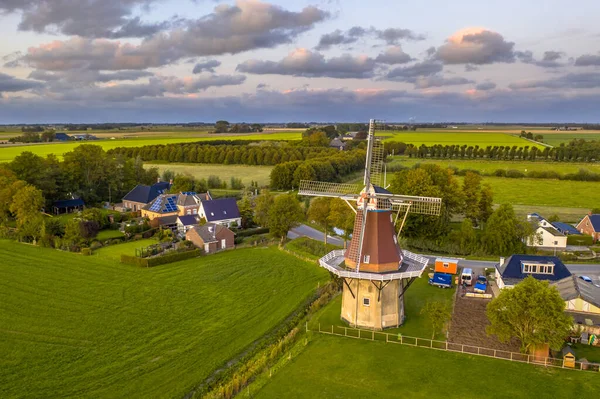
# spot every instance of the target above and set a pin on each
(307, 231)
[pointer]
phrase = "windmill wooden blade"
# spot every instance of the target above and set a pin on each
(327, 189)
(420, 205)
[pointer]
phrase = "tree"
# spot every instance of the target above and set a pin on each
(553, 218)
(533, 312)
(342, 217)
(471, 191)
(504, 233)
(262, 205)
(27, 205)
(319, 212)
(486, 199)
(246, 212)
(284, 214)
(221, 127)
(595, 211)
(467, 239)
(438, 313)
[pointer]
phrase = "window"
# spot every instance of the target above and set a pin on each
(367, 258)
(195, 211)
(223, 244)
(391, 218)
(535, 268)
(366, 302)
(206, 248)
(555, 242)
(446, 265)
(395, 240)
(189, 212)
(224, 212)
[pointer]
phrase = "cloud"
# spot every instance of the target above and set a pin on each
(471, 68)
(338, 37)
(426, 82)
(486, 86)
(306, 63)
(426, 68)
(587, 80)
(588, 60)
(87, 77)
(248, 25)
(476, 46)
(11, 84)
(549, 60)
(87, 18)
(208, 65)
(393, 55)
(394, 35)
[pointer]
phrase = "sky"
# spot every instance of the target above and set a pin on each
(94, 61)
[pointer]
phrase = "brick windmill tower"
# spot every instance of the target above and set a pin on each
(376, 272)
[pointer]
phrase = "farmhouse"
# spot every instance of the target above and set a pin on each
(582, 302)
(211, 237)
(221, 211)
(181, 204)
(60, 136)
(142, 195)
(188, 203)
(337, 143)
(516, 268)
(546, 235)
(590, 225)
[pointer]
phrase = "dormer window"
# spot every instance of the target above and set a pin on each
(212, 214)
(225, 212)
(537, 268)
(367, 259)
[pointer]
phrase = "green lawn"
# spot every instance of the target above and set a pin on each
(338, 367)
(482, 139)
(261, 174)
(114, 252)
(591, 353)
(88, 327)
(415, 324)
(486, 166)
(107, 234)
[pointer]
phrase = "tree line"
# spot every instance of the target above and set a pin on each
(224, 152)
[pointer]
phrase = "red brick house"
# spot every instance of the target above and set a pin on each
(211, 237)
(590, 225)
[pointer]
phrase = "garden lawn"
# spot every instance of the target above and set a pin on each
(338, 367)
(261, 174)
(88, 327)
(415, 325)
(107, 234)
(482, 139)
(114, 252)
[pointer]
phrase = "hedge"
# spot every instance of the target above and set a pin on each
(579, 239)
(159, 260)
(252, 232)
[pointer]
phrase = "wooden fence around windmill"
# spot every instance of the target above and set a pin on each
(371, 335)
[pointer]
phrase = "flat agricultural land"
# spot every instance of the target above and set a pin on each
(482, 139)
(338, 367)
(9, 151)
(261, 174)
(555, 139)
(487, 166)
(89, 327)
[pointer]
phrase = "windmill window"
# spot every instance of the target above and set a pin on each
(366, 302)
(391, 218)
(395, 240)
(367, 259)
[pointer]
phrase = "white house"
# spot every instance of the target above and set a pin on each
(223, 211)
(546, 235)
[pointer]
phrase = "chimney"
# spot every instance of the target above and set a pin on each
(158, 179)
(171, 181)
(501, 260)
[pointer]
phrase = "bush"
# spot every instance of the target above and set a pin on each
(252, 232)
(514, 174)
(159, 260)
(134, 260)
(86, 251)
(499, 173)
(96, 245)
(576, 239)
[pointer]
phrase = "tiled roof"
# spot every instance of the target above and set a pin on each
(595, 220)
(164, 203)
(512, 271)
(565, 228)
(573, 287)
(553, 231)
(221, 209)
(68, 203)
(145, 194)
(188, 220)
(209, 232)
(167, 220)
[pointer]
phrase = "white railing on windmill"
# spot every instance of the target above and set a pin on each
(371, 195)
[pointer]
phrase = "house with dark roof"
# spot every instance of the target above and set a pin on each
(186, 222)
(516, 268)
(142, 195)
(211, 237)
(565, 228)
(337, 143)
(60, 136)
(67, 206)
(546, 235)
(222, 211)
(161, 206)
(590, 225)
(188, 203)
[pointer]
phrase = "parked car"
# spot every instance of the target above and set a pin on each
(466, 276)
(586, 279)
(480, 285)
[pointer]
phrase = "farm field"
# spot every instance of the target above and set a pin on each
(555, 139)
(261, 174)
(416, 296)
(89, 327)
(338, 367)
(482, 139)
(486, 166)
(8, 152)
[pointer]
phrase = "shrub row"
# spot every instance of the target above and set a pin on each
(575, 239)
(252, 232)
(159, 260)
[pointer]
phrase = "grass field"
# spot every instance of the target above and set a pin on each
(338, 367)
(261, 174)
(416, 296)
(106, 234)
(113, 252)
(555, 139)
(88, 327)
(482, 139)
(7, 153)
(486, 166)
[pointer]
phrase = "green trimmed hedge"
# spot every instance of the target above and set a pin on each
(159, 260)
(252, 232)
(577, 239)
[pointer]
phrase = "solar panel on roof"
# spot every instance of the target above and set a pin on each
(189, 193)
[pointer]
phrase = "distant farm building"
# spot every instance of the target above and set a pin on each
(590, 225)
(68, 206)
(61, 137)
(142, 195)
(211, 237)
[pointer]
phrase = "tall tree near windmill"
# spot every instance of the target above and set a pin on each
(319, 212)
(341, 218)
(375, 271)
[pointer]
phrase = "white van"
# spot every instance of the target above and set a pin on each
(466, 277)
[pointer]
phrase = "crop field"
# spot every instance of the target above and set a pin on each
(261, 174)
(8, 152)
(482, 139)
(338, 367)
(555, 139)
(486, 166)
(89, 327)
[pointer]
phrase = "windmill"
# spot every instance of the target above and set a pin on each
(376, 272)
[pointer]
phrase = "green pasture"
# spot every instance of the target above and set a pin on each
(261, 174)
(487, 166)
(556, 139)
(482, 139)
(89, 327)
(338, 367)
(416, 325)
